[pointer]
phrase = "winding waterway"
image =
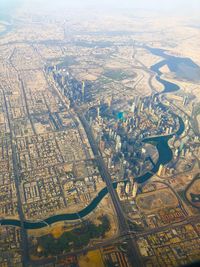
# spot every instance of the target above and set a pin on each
(161, 143)
(61, 217)
(7, 29)
(165, 154)
(6, 22)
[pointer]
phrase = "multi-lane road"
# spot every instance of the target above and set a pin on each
(24, 243)
(133, 251)
(124, 230)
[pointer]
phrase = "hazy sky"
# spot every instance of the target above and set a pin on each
(158, 4)
(141, 3)
(178, 5)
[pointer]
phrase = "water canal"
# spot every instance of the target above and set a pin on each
(161, 143)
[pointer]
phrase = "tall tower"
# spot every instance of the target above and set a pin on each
(161, 170)
(118, 143)
(135, 188)
(109, 101)
(133, 107)
(63, 80)
(98, 112)
(83, 91)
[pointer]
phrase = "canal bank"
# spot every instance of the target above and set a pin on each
(165, 156)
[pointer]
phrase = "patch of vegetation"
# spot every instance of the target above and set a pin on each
(184, 193)
(194, 121)
(197, 109)
(75, 239)
(62, 62)
(66, 62)
(104, 80)
(117, 75)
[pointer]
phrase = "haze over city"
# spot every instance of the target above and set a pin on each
(170, 5)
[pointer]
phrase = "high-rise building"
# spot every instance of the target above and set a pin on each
(133, 107)
(135, 188)
(118, 143)
(83, 91)
(63, 80)
(109, 163)
(102, 145)
(142, 107)
(98, 112)
(109, 101)
(185, 100)
(161, 170)
(127, 188)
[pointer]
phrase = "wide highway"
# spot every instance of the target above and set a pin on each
(124, 229)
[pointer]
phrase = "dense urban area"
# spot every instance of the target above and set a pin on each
(99, 140)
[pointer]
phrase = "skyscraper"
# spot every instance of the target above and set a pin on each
(83, 91)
